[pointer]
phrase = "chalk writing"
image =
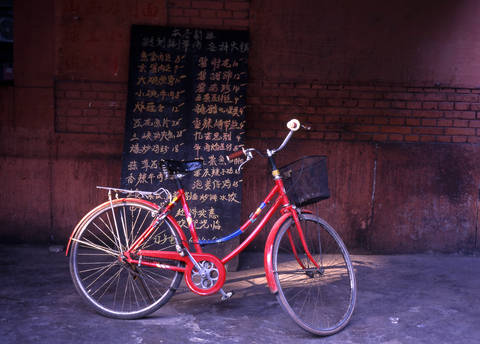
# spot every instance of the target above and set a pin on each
(186, 100)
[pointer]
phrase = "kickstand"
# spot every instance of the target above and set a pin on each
(226, 295)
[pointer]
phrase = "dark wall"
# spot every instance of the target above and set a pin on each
(390, 89)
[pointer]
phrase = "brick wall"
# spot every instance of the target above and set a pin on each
(402, 150)
(367, 113)
(90, 107)
(224, 14)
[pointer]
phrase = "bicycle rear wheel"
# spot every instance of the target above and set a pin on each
(319, 297)
(112, 286)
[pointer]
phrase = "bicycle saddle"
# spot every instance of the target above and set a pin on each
(181, 167)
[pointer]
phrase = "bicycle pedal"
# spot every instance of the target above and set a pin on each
(226, 295)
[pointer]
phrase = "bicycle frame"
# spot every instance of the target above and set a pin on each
(288, 211)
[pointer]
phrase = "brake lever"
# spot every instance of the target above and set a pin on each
(249, 155)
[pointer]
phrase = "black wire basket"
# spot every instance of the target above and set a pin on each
(306, 180)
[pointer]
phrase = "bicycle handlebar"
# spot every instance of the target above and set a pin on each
(293, 125)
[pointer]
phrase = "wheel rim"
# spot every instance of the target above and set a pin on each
(319, 298)
(101, 275)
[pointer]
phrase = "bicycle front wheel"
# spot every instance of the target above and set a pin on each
(104, 279)
(318, 292)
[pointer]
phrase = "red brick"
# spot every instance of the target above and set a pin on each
(459, 139)
(380, 120)
(396, 130)
(460, 114)
(445, 105)
(395, 137)
(74, 112)
(474, 124)
(208, 13)
(366, 103)
(224, 14)
(460, 123)
(475, 106)
(365, 137)
(399, 112)
(301, 101)
(399, 104)
(366, 95)
(304, 92)
(179, 21)
(316, 135)
(180, 3)
(89, 95)
(90, 112)
(432, 97)
(444, 122)
(365, 129)
(462, 106)
(383, 104)
(285, 100)
(429, 122)
(459, 131)
(473, 139)
(332, 136)
(397, 121)
(471, 98)
(413, 121)
(237, 23)
(191, 12)
(303, 85)
(237, 5)
(427, 138)
(400, 96)
(319, 87)
(73, 85)
(175, 12)
(348, 136)
(444, 139)
(428, 113)
(414, 105)
(106, 112)
(214, 5)
(411, 138)
(428, 131)
(380, 137)
(108, 86)
(72, 94)
(430, 105)
(269, 100)
(240, 14)
(361, 120)
(106, 95)
(205, 22)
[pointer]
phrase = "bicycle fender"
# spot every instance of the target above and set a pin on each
(91, 212)
(267, 260)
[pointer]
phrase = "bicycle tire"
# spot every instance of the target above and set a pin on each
(111, 286)
(319, 299)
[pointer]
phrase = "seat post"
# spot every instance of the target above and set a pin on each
(179, 183)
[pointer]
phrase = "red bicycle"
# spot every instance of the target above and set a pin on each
(128, 255)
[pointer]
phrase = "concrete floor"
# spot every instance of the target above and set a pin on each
(401, 299)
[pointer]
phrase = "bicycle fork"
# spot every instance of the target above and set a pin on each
(268, 256)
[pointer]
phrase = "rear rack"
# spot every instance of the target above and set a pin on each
(161, 193)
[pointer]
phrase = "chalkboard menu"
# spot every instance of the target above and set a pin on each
(186, 101)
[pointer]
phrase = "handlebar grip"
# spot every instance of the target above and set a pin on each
(234, 155)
